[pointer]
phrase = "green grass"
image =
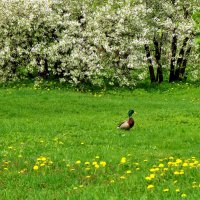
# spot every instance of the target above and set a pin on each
(65, 126)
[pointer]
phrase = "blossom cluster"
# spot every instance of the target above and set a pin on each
(79, 42)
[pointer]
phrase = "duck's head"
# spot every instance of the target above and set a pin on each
(130, 113)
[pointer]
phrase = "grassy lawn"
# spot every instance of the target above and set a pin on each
(59, 144)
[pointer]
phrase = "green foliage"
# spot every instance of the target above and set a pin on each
(55, 129)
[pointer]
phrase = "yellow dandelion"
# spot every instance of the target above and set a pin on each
(191, 164)
(103, 163)
(145, 160)
(42, 164)
(5, 168)
(161, 165)
(166, 190)
(152, 170)
(87, 169)
(176, 173)
(97, 157)
(128, 171)
(78, 162)
(152, 176)
(81, 186)
(123, 160)
(137, 169)
(183, 195)
(150, 186)
(181, 172)
(87, 163)
(177, 190)
(178, 161)
(36, 167)
(171, 158)
(148, 178)
(185, 164)
(165, 169)
(94, 163)
(88, 177)
(96, 166)
(122, 177)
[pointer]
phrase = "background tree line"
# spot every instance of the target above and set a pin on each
(99, 42)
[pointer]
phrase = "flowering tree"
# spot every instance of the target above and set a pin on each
(96, 42)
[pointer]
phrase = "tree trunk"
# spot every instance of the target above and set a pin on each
(159, 75)
(180, 59)
(184, 64)
(173, 59)
(151, 70)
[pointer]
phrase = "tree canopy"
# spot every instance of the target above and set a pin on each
(99, 42)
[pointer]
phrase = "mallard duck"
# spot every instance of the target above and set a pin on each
(129, 123)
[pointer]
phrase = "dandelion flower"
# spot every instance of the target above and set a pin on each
(166, 190)
(150, 187)
(185, 164)
(103, 163)
(94, 163)
(161, 165)
(181, 172)
(176, 173)
(35, 167)
(78, 162)
(87, 163)
(184, 195)
(177, 190)
(148, 178)
(152, 176)
(88, 177)
(128, 172)
(96, 166)
(122, 177)
(123, 160)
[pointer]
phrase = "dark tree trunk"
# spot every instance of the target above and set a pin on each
(159, 75)
(184, 64)
(151, 70)
(173, 59)
(180, 59)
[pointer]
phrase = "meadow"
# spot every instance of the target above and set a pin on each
(63, 144)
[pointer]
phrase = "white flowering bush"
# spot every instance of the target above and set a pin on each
(83, 42)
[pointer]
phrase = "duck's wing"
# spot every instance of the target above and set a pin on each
(124, 125)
